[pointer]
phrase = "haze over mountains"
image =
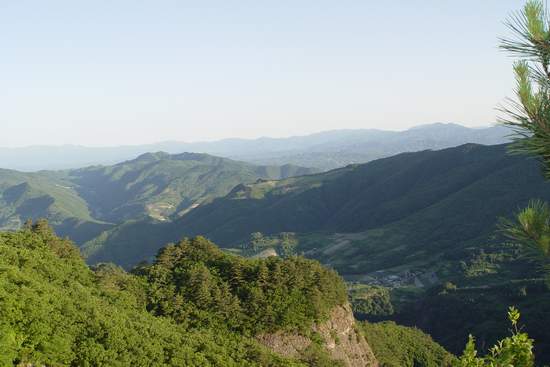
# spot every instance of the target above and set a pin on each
(325, 150)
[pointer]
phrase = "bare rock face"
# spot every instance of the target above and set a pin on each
(340, 338)
(343, 341)
(285, 344)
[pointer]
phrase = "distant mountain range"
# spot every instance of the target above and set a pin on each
(325, 150)
(82, 202)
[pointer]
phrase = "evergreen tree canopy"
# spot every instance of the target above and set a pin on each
(200, 285)
(55, 311)
(529, 116)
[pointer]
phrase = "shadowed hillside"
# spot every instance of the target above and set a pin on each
(410, 201)
(161, 185)
(81, 203)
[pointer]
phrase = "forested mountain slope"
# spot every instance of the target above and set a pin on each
(81, 203)
(410, 204)
(194, 306)
(46, 195)
(160, 184)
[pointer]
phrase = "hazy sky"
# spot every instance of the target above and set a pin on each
(127, 72)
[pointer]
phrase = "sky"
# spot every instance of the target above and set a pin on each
(119, 72)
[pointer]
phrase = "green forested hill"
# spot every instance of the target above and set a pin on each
(160, 184)
(30, 195)
(83, 202)
(430, 187)
(45, 195)
(399, 346)
(193, 306)
(55, 311)
(410, 206)
(423, 217)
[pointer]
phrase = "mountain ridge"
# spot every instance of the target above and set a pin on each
(82, 201)
(323, 150)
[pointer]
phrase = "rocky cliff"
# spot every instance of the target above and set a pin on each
(338, 336)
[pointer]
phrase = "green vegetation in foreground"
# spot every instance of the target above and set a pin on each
(515, 350)
(450, 313)
(399, 346)
(199, 305)
(55, 311)
(194, 306)
(530, 118)
(245, 295)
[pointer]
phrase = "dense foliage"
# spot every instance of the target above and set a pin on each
(449, 316)
(55, 311)
(370, 301)
(198, 285)
(531, 228)
(284, 244)
(515, 350)
(399, 346)
(529, 116)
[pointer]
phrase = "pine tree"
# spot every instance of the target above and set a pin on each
(237, 275)
(201, 286)
(529, 117)
(262, 275)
